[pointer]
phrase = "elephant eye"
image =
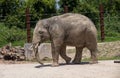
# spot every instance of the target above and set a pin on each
(40, 32)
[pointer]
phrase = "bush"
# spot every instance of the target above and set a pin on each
(11, 35)
(112, 23)
(15, 21)
(112, 27)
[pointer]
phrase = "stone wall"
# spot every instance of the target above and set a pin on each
(109, 49)
(105, 49)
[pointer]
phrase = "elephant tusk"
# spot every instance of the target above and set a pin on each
(31, 47)
(36, 53)
(36, 46)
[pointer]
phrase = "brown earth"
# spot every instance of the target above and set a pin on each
(104, 69)
(106, 50)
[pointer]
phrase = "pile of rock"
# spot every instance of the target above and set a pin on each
(12, 53)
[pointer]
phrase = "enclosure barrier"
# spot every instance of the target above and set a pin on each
(28, 22)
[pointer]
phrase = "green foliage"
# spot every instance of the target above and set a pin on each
(85, 7)
(42, 9)
(13, 12)
(11, 35)
(15, 21)
(70, 3)
(91, 10)
(9, 6)
(112, 23)
(112, 6)
(112, 27)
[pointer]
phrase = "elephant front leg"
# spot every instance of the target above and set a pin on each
(78, 55)
(55, 54)
(38, 59)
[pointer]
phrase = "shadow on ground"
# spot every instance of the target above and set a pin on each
(62, 64)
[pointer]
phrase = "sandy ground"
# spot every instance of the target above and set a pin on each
(104, 69)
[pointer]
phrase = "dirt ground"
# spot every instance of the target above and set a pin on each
(104, 69)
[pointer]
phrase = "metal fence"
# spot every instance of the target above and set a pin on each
(105, 24)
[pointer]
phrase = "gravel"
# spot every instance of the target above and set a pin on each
(104, 69)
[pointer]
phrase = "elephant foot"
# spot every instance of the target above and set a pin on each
(55, 64)
(93, 62)
(41, 63)
(68, 60)
(76, 61)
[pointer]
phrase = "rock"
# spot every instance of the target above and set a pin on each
(105, 49)
(44, 50)
(29, 54)
(109, 49)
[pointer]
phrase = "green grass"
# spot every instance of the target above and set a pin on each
(110, 36)
(103, 58)
(109, 58)
(18, 43)
(110, 39)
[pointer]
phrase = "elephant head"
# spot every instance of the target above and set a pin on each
(45, 30)
(40, 34)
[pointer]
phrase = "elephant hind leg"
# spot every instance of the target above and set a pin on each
(63, 54)
(78, 55)
(93, 51)
(93, 56)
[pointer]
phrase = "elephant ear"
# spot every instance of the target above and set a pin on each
(45, 23)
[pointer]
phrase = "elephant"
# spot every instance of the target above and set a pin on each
(69, 29)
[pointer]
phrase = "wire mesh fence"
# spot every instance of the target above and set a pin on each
(14, 30)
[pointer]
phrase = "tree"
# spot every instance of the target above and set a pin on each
(9, 6)
(12, 12)
(41, 9)
(71, 4)
(85, 7)
(91, 8)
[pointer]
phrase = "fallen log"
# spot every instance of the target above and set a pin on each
(117, 61)
(12, 53)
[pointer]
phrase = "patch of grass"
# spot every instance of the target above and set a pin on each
(109, 58)
(110, 36)
(103, 58)
(110, 39)
(18, 43)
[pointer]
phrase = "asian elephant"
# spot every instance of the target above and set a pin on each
(68, 29)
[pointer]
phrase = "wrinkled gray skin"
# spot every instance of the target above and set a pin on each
(67, 29)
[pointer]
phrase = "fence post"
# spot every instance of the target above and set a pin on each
(28, 25)
(65, 8)
(102, 22)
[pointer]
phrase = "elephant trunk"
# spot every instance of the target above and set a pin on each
(35, 43)
(35, 49)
